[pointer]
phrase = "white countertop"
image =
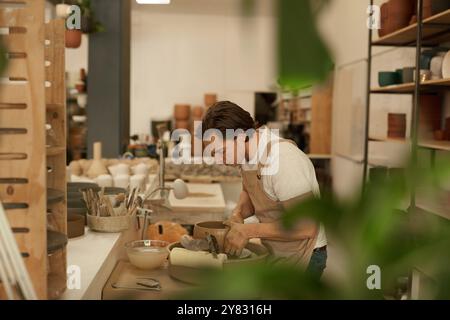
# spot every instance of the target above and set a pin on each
(95, 256)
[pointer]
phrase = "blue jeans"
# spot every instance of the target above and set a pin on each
(318, 263)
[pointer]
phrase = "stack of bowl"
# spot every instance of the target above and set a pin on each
(75, 203)
(182, 115)
(397, 125)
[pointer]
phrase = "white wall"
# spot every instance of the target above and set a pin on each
(190, 47)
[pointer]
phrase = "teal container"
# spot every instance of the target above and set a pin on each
(388, 78)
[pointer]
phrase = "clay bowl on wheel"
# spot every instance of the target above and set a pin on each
(191, 275)
(214, 228)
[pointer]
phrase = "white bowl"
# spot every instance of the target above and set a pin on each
(147, 254)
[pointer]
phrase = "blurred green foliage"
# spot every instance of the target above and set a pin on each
(303, 58)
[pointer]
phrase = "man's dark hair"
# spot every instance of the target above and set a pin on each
(225, 115)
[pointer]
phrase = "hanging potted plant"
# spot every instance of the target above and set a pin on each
(73, 36)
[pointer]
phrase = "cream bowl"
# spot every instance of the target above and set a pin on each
(147, 254)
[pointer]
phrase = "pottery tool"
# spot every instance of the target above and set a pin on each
(139, 286)
(13, 274)
(100, 205)
(213, 245)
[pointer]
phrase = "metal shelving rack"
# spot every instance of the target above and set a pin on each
(427, 32)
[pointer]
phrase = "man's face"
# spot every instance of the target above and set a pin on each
(229, 151)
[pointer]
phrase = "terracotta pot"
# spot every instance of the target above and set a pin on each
(182, 112)
(384, 16)
(81, 87)
(73, 38)
(439, 135)
(183, 124)
(210, 99)
(399, 14)
(427, 9)
(197, 112)
(75, 225)
(396, 125)
(447, 129)
(214, 228)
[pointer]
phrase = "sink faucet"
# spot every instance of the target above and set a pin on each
(162, 128)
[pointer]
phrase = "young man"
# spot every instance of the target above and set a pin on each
(276, 174)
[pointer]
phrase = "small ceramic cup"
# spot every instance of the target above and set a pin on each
(137, 182)
(141, 169)
(119, 169)
(104, 181)
(122, 181)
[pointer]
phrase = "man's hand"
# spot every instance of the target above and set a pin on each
(236, 239)
(235, 217)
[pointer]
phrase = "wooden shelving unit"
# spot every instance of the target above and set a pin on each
(435, 32)
(431, 31)
(22, 106)
(435, 145)
(28, 189)
(431, 85)
(56, 154)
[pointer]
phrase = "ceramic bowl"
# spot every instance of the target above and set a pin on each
(446, 66)
(214, 228)
(147, 254)
(388, 78)
(75, 225)
(408, 74)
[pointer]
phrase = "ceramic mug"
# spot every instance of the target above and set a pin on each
(122, 181)
(104, 180)
(408, 74)
(137, 182)
(119, 169)
(140, 169)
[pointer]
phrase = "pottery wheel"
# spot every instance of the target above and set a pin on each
(253, 253)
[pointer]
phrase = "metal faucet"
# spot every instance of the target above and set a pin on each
(162, 128)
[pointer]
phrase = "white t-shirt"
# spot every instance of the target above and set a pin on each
(290, 173)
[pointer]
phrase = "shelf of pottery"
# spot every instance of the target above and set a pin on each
(399, 29)
(32, 163)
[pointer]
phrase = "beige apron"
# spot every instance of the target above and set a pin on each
(268, 211)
